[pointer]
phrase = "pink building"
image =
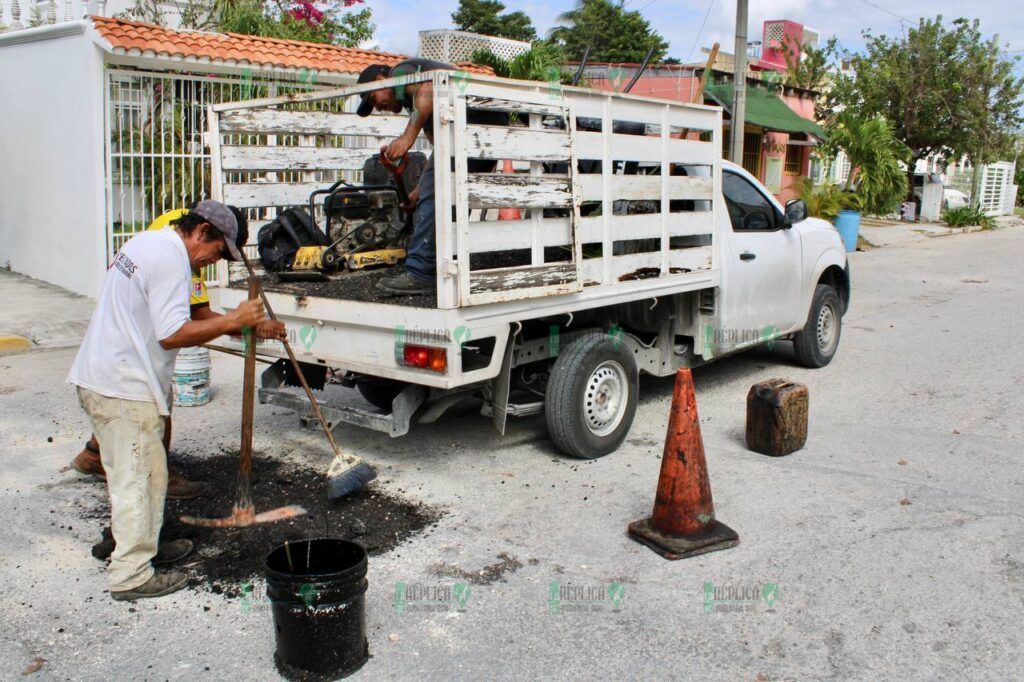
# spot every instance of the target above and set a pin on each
(780, 130)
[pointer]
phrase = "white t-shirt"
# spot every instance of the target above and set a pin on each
(144, 299)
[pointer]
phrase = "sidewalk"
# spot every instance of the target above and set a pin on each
(37, 315)
(879, 232)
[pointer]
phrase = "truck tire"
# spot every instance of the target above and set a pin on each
(816, 344)
(380, 392)
(591, 396)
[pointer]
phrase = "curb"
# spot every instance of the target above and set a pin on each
(10, 344)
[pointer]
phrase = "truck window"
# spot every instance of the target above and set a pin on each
(748, 208)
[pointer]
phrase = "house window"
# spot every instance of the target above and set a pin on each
(752, 153)
(794, 159)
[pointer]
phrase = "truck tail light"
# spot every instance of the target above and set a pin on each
(425, 357)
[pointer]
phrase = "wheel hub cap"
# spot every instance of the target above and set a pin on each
(605, 398)
(826, 328)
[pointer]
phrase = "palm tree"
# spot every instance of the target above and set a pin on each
(877, 160)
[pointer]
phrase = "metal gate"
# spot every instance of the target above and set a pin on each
(157, 158)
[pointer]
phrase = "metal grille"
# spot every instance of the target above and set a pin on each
(157, 158)
(458, 46)
(774, 32)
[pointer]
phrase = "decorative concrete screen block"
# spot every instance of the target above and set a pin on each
(459, 46)
(773, 34)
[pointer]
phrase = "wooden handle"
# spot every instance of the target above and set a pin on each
(244, 498)
(254, 282)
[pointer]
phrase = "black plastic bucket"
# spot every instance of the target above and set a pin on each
(317, 588)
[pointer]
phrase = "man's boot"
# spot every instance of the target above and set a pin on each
(405, 284)
(88, 460)
(157, 586)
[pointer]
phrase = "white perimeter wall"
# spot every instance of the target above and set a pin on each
(51, 172)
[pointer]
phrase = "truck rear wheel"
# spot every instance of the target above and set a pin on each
(380, 392)
(816, 344)
(591, 397)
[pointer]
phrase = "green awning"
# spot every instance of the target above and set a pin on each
(766, 110)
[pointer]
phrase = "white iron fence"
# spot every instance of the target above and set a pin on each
(157, 154)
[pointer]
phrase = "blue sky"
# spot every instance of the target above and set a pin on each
(680, 20)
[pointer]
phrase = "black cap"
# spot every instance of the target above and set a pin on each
(370, 73)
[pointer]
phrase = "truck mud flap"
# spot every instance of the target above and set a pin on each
(395, 424)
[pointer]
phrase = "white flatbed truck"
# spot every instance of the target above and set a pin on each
(639, 250)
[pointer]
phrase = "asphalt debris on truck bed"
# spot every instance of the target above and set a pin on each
(356, 286)
(225, 559)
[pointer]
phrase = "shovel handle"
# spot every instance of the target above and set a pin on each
(291, 356)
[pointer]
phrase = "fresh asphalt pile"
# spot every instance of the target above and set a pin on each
(227, 558)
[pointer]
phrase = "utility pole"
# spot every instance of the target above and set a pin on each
(739, 92)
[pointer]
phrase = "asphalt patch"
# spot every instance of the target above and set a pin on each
(225, 559)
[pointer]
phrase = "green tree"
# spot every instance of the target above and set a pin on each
(945, 90)
(331, 22)
(809, 67)
(542, 62)
(613, 33)
(485, 17)
(876, 159)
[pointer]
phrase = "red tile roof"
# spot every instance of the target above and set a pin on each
(141, 39)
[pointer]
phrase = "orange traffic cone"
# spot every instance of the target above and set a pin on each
(508, 213)
(683, 523)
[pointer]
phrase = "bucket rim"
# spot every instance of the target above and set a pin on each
(359, 566)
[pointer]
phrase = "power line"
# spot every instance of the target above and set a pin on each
(887, 11)
(699, 31)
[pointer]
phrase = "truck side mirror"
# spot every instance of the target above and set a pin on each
(796, 211)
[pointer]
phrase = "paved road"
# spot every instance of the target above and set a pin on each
(891, 546)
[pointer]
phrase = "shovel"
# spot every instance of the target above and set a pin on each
(244, 512)
(347, 473)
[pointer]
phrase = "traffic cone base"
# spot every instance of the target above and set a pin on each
(674, 547)
(683, 522)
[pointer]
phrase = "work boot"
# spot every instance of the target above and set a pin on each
(159, 585)
(405, 285)
(180, 488)
(170, 552)
(88, 462)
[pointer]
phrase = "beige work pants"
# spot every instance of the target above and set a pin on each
(130, 433)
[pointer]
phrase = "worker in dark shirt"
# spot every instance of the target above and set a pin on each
(418, 99)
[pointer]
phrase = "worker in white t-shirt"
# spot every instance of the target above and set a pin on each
(123, 373)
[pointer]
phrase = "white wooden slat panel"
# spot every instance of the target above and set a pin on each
(503, 235)
(696, 258)
(256, 194)
(540, 100)
(508, 281)
(640, 187)
(589, 145)
(499, 190)
(283, 122)
(266, 158)
(518, 144)
(522, 108)
(680, 116)
(648, 226)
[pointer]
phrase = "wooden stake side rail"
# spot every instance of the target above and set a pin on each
(598, 207)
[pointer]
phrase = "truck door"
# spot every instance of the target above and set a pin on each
(761, 277)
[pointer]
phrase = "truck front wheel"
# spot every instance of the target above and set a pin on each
(816, 344)
(591, 396)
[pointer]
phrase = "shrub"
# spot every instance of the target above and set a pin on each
(967, 215)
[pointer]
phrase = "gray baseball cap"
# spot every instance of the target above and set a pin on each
(221, 217)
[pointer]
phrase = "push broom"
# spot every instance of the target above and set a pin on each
(347, 473)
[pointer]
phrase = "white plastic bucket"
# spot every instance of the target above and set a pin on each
(191, 382)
